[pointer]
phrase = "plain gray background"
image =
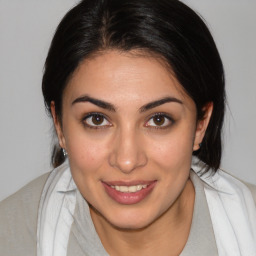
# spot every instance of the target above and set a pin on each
(26, 29)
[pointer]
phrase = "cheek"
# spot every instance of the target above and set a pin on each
(87, 160)
(172, 158)
(86, 153)
(173, 151)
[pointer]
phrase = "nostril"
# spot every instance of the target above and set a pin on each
(127, 164)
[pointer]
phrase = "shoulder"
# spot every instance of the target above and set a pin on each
(223, 181)
(240, 184)
(18, 219)
(252, 189)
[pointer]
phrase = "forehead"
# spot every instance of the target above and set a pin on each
(114, 75)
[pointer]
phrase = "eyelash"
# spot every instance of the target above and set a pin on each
(164, 115)
(94, 114)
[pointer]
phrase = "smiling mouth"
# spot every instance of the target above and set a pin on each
(129, 192)
(129, 189)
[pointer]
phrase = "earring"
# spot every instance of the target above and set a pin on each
(64, 152)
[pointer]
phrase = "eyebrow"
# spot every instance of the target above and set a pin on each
(97, 102)
(159, 102)
(111, 107)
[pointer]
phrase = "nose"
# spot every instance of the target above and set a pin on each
(127, 152)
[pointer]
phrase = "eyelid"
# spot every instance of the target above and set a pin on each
(165, 115)
(91, 114)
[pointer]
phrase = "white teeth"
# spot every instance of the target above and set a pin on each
(139, 187)
(123, 189)
(130, 189)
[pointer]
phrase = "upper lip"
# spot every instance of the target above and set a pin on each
(128, 183)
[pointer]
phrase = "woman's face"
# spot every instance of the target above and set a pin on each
(129, 130)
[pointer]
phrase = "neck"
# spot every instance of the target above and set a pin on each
(165, 236)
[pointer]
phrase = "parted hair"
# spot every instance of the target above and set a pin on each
(167, 28)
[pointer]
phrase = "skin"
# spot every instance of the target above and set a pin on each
(128, 144)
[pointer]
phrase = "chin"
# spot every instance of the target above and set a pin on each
(130, 219)
(130, 225)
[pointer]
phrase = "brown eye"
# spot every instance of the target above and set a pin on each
(96, 121)
(159, 120)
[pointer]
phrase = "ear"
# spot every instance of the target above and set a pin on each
(202, 125)
(58, 127)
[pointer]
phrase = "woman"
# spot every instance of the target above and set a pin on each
(136, 93)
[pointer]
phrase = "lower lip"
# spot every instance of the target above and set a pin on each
(126, 197)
